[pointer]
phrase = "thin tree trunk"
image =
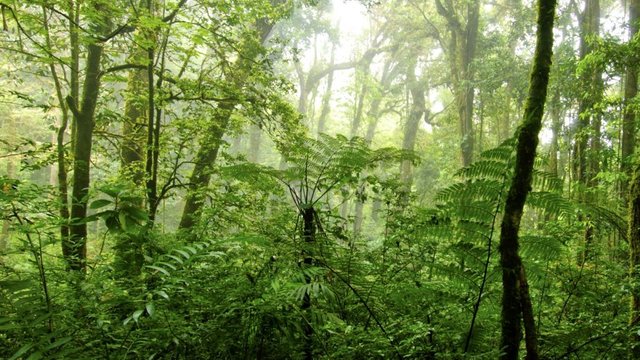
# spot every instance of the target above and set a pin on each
(417, 111)
(11, 173)
(634, 258)
(255, 141)
(326, 98)
(513, 305)
(63, 195)
(309, 237)
(630, 92)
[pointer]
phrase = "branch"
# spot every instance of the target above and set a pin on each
(72, 106)
(127, 28)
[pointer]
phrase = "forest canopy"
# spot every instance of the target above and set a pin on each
(326, 179)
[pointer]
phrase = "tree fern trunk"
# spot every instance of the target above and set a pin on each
(512, 304)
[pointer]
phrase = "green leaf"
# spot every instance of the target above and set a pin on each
(100, 203)
(158, 269)
(176, 258)
(163, 294)
(35, 356)
(183, 253)
(137, 214)
(136, 315)
(59, 343)
(122, 217)
(151, 309)
(21, 351)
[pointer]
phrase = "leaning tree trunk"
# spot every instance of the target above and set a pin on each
(210, 145)
(205, 158)
(513, 279)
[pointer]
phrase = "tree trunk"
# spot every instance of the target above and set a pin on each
(628, 148)
(205, 159)
(309, 237)
(588, 121)
(133, 134)
(84, 120)
(11, 173)
(364, 88)
(255, 141)
(210, 145)
(461, 52)
(63, 195)
(630, 92)
(634, 257)
(512, 298)
(417, 111)
(326, 98)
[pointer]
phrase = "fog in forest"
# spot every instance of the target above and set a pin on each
(319, 179)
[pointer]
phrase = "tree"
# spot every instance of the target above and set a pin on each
(207, 154)
(460, 49)
(630, 119)
(515, 300)
(84, 120)
(630, 93)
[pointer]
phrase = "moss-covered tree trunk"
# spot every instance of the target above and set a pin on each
(630, 91)
(513, 305)
(205, 159)
(84, 120)
(461, 49)
(417, 111)
(132, 147)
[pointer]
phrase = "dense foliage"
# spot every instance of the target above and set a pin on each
(241, 179)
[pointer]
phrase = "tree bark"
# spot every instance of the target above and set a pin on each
(630, 92)
(309, 237)
(255, 142)
(634, 257)
(461, 52)
(512, 299)
(63, 194)
(326, 98)
(210, 145)
(132, 149)
(417, 111)
(84, 120)
(205, 158)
